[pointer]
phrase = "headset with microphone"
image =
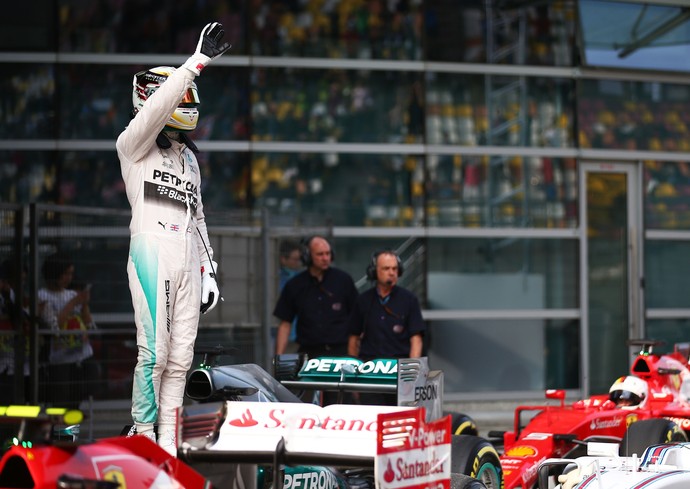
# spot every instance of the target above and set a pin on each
(371, 272)
(305, 252)
(372, 275)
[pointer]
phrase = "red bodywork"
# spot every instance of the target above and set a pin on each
(135, 463)
(551, 431)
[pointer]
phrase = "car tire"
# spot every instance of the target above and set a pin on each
(462, 481)
(462, 424)
(477, 458)
(642, 434)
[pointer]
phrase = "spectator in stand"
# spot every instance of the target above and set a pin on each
(67, 313)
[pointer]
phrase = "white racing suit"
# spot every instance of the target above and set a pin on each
(169, 245)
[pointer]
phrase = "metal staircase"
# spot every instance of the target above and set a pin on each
(507, 112)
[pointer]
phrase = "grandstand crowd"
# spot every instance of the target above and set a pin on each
(343, 106)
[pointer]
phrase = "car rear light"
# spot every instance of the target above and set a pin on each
(200, 423)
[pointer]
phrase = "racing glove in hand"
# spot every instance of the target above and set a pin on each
(570, 479)
(208, 48)
(209, 287)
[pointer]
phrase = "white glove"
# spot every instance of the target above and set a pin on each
(209, 287)
(208, 48)
(570, 479)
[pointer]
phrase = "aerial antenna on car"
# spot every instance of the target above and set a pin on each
(646, 346)
(211, 353)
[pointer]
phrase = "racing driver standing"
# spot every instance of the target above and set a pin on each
(170, 266)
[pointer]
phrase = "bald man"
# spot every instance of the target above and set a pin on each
(321, 298)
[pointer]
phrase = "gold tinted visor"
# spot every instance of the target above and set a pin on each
(190, 98)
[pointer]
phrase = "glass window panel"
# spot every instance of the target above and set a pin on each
(345, 189)
(667, 194)
(503, 273)
(482, 191)
(10, 240)
(374, 29)
(525, 355)
(101, 108)
(93, 179)
(616, 114)
(224, 110)
(225, 182)
(136, 26)
(28, 176)
(643, 36)
(670, 331)
(354, 255)
(525, 111)
(336, 106)
(456, 32)
(28, 101)
(99, 259)
(667, 274)
(348, 189)
(90, 179)
(28, 26)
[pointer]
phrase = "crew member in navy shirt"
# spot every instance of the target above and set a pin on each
(322, 298)
(387, 321)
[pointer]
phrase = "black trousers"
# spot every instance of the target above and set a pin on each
(324, 350)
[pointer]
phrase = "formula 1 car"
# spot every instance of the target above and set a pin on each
(662, 466)
(245, 416)
(661, 415)
(40, 453)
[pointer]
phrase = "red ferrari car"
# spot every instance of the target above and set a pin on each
(35, 457)
(649, 406)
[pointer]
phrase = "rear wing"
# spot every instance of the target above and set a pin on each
(13, 414)
(411, 379)
(36, 424)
